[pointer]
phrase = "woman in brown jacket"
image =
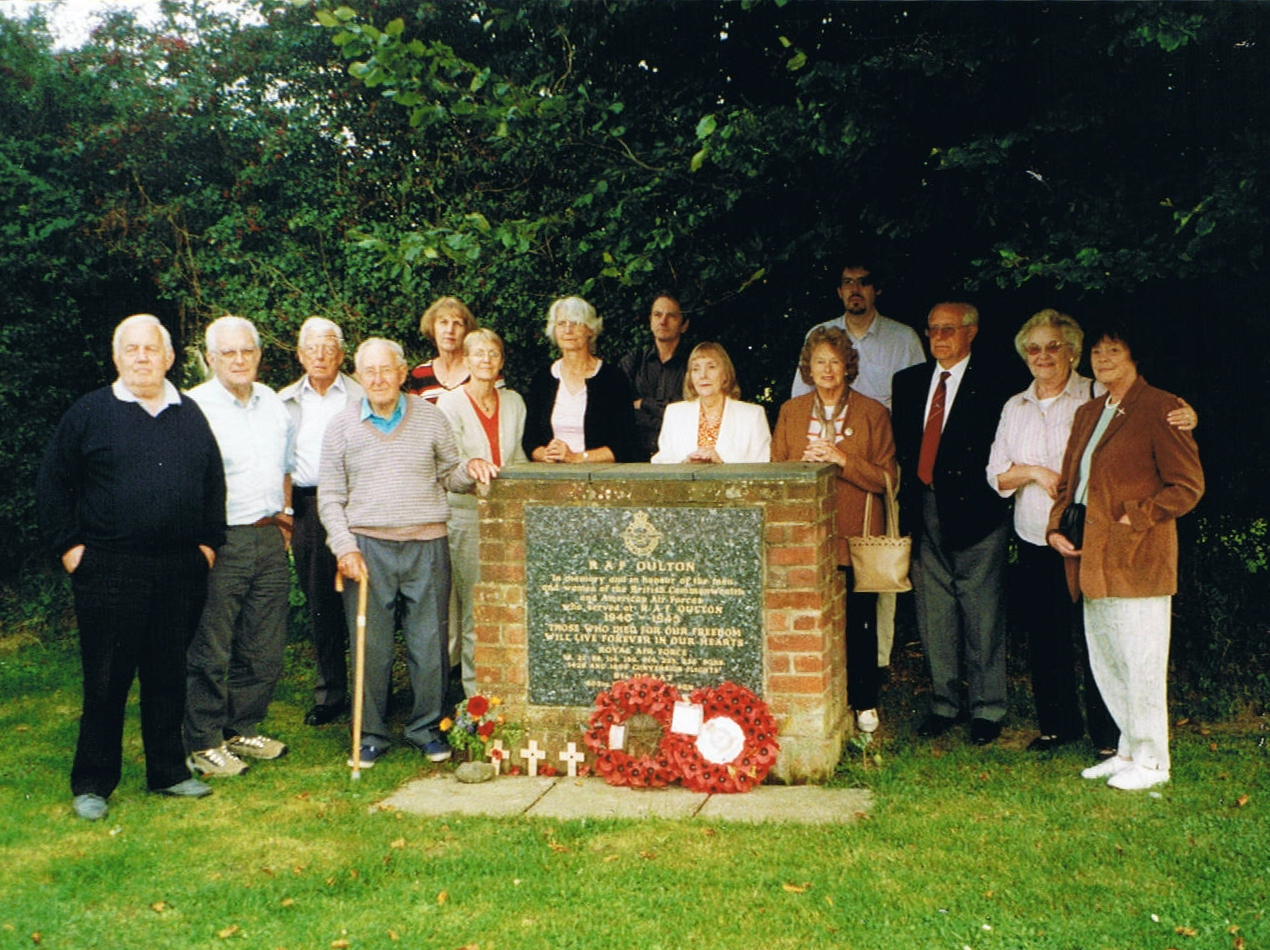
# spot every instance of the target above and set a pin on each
(1135, 475)
(836, 424)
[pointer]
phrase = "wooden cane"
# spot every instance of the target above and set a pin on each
(359, 669)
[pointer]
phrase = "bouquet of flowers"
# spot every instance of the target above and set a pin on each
(476, 723)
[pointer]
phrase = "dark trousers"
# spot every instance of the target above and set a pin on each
(315, 567)
(235, 660)
(136, 616)
(1056, 649)
(961, 617)
(862, 646)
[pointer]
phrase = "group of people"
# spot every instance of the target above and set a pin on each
(173, 513)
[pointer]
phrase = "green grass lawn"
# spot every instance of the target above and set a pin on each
(982, 848)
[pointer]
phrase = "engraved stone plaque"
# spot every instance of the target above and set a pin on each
(612, 592)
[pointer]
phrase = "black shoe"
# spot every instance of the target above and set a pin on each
(323, 713)
(983, 732)
(1046, 743)
(934, 725)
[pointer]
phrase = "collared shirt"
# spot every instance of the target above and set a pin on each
(951, 385)
(384, 425)
(656, 385)
(257, 445)
(170, 396)
(316, 410)
(887, 347)
(1034, 431)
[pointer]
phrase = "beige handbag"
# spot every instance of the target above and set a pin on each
(880, 561)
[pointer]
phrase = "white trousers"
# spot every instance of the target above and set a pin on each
(1128, 641)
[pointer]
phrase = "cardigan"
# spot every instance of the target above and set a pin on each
(744, 435)
(610, 412)
(1144, 468)
(470, 435)
(870, 452)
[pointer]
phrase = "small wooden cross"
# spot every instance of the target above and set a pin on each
(496, 754)
(571, 757)
(532, 754)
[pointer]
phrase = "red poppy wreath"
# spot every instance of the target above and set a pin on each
(736, 746)
(628, 698)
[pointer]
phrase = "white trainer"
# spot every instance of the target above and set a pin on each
(215, 761)
(1138, 778)
(256, 747)
(866, 720)
(1107, 768)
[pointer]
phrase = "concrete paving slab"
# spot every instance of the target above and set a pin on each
(800, 804)
(568, 798)
(594, 798)
(444, 794)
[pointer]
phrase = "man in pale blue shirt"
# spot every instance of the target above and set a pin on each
(885, 347)
(314, 400)
(235, 660)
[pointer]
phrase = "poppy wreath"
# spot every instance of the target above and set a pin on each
(738, 727)
(626, 698)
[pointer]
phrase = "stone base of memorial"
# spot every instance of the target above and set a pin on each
(694, 574)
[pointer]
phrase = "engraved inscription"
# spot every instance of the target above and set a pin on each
(602, 608)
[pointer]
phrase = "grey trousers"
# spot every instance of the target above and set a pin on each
(465, 563)
(416, 573)
(961, 617)
(235, 659)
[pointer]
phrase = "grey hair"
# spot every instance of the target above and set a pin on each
(320, 326)
(1066, 325)
(140, 319)
(575, 309)
(969, 312)
(393, 346)
(227, 322)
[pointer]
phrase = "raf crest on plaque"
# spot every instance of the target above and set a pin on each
(641, 535)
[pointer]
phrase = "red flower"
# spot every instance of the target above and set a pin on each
(486, 729)
(477, 706)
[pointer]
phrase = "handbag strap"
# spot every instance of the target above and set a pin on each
(892, 508)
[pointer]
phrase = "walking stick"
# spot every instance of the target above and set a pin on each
(359, 669)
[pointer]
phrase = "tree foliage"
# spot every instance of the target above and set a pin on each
(358, 160)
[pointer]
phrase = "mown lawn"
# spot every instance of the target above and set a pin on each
(965, 847)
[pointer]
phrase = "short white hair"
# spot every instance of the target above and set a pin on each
(229, 321)
(320, 326)
(140, 320)
(396, 349)
(575, 309)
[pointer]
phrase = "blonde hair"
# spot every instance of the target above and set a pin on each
(729, 387)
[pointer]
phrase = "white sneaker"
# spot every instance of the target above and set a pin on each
(256, 747)
(215, 761)
(1107, 767)
(1138, 778)
(866, 720)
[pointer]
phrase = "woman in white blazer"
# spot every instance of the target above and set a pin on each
(712, 424)
(488, 423)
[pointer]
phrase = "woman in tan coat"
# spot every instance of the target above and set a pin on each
(1135, 475)
(835, 424)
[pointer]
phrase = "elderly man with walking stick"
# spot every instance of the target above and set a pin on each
(387, 462)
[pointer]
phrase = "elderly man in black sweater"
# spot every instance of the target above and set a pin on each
(132, 499)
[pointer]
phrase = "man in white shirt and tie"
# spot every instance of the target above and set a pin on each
(944, 416)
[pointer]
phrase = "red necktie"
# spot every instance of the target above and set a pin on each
(934, 427)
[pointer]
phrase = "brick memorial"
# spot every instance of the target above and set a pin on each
(695, 574)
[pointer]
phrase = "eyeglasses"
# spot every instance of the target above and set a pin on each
(935, 332)
(857, 282)
(482, 356)
(321, 349)
(1049, 349)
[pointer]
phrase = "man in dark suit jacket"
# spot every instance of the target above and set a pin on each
(945, 415)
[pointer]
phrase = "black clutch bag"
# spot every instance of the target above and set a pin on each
(1073, 524)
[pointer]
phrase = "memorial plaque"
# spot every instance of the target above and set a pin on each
(675, 593)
